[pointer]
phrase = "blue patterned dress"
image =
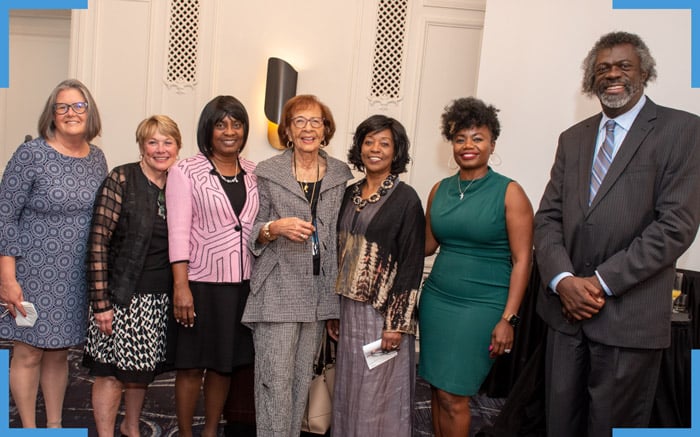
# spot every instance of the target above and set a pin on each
(46, 201)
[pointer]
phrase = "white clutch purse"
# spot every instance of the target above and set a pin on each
(21, 320)
(30, 320)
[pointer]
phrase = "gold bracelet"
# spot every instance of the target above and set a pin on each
(266, 232)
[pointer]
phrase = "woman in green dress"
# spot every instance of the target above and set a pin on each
(482, 222)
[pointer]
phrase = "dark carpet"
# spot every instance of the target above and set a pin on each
(158, 417)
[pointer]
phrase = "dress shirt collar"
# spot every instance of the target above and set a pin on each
(625, 120)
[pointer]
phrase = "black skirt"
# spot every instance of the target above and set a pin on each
(218, 340)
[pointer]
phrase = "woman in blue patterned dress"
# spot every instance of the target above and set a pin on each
(46, 198)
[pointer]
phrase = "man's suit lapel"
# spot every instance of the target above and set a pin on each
(641, 127)
(585, 159)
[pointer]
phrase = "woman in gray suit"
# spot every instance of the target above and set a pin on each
(291, 288)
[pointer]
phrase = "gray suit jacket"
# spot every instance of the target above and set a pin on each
(643, 218)
(282, 282)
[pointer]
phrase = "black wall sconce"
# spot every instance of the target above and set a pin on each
(281, 85)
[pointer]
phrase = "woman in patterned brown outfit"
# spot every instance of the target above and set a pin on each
(381, 237)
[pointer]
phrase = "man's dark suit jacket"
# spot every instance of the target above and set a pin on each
(643, 218)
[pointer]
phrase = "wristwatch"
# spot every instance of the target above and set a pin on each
(513, 319)
(266, 232)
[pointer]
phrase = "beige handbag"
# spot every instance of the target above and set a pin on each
(317, 417)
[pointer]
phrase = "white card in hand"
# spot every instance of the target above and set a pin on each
(374, 355)
(28, 321)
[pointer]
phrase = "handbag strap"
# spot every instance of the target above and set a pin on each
(325, 354)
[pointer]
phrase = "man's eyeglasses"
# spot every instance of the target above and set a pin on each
(62, 108)
(300, 122)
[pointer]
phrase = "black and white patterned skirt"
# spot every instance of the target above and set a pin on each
(136, 350)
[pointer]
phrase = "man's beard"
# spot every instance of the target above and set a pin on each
(619, 100)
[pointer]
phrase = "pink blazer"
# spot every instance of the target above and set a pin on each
(202, 226)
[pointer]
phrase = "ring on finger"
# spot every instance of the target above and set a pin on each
(507, 351)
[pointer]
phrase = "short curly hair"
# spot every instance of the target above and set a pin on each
(377, 123)
(157, 123)
(467, 112)
(304, 101)
(646, 61)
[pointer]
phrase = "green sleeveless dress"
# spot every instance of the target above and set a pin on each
(465, 294)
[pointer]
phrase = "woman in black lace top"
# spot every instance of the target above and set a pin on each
(129, 278)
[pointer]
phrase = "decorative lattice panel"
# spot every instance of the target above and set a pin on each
(183, 40)
(387, 64)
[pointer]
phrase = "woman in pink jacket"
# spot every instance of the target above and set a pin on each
(212, 202)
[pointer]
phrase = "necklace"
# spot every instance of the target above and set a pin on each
(227, 179)
(459, 187)
(148, 178)
(304, 185)
(160, 200)
(315, 249)
(385, 186)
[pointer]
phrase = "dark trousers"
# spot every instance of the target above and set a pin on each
(591, 388)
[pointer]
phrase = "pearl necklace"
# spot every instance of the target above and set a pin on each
(227, 179)
(385, 186)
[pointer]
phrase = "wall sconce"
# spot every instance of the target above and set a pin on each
(281, 85)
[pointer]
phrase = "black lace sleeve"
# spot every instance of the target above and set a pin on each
(105, 217)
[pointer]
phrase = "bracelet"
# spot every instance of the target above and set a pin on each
(266, 232)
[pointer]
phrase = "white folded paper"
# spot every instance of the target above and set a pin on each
(374, 355)
(30, 320)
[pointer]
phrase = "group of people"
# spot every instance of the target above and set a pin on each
(212, 263)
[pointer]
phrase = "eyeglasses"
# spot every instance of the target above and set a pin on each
(62, 108)
(300, 122)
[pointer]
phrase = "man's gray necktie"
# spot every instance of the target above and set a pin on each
(603, 159)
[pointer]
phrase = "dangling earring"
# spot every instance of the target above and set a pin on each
(450, 159)
(495, 160)
(290, 144)
(323, 143)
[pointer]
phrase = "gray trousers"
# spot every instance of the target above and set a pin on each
(284, 356)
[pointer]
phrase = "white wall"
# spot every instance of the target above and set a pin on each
(329, 42)
(530, 69)
(125, 70)
(317, 37)
(39, 44)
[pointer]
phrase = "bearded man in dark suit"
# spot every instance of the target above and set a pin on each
(622, 204)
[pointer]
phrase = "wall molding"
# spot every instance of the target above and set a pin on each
(467, 5)
(41, 25)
